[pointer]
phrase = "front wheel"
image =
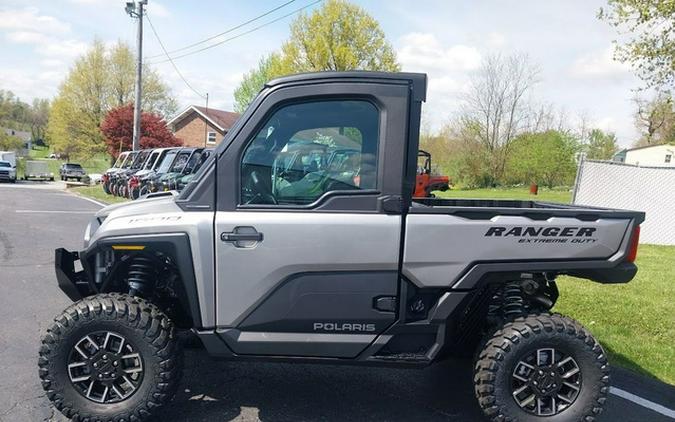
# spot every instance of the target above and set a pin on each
(542, 367)
(110, 357)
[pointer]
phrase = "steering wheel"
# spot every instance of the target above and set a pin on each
(262, 195)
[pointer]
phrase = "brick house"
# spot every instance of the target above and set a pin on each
(198, 126)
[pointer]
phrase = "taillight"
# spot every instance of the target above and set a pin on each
(634, 241)
(133, 182)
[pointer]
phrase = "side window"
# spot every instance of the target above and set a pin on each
(305, 150)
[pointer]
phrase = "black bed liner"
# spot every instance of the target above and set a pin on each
(485, 209)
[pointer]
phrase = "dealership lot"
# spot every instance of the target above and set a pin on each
(35, 218)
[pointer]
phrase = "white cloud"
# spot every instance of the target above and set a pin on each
(47, 45)
(51, 63)
(158, 9)
(424, 51)
(448, 68)
(495, 40)
(600, 64)
(29, 19)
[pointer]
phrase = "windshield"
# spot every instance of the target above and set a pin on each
(166, 162)
(140, 160)
(120, 160)
(130, 160)
(5, 164)
(73, 166)
(180, 162)
(151, 161)
(193, 162)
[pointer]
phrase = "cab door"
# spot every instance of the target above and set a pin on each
(307, 260)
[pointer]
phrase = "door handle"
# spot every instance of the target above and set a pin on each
(241, 234)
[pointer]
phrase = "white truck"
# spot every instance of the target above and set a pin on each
(9, 156)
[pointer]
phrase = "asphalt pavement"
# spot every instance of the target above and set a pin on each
(36, 218)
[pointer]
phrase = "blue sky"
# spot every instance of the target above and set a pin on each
(446, 39)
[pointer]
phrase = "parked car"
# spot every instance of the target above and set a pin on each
(37, 170)
(7, 172)
(71, 171)
(342, 265)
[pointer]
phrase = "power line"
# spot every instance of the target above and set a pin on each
(161, 44)
(234, 28)
(239, 35)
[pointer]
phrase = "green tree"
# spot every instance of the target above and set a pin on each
(9, 142)
(496, 110)
(268, 68)
(39, 117)
(655, 119)
(650, 45)
(545, 158)
(338, 36)
(100, 80)
(601, 145)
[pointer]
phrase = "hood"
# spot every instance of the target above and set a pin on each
(148, 205)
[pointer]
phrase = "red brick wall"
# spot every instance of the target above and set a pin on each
(191, 131)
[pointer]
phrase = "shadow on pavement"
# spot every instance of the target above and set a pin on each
(222, 391)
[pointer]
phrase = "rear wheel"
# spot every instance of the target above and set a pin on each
(110, 357)
(542, 367)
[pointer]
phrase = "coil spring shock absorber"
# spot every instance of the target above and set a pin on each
(513, 304)
(141, 275)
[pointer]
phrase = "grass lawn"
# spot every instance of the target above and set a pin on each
(562, 195)
(96, 164)
(635, 322)
(96, 192)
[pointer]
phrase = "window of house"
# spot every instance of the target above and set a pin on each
(306, 150)
(211, 138)
(669, 157)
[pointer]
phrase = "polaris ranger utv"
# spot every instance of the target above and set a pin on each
(332, 264)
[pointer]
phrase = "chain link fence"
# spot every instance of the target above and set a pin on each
(615, 185)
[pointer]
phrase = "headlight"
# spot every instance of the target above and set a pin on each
(93, 225)
(87, 235)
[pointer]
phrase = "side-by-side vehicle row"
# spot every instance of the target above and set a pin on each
(137, 173)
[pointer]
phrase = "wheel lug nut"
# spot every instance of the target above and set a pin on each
(96, 365)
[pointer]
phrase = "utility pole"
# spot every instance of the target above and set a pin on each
(206, 123)
(135, 10)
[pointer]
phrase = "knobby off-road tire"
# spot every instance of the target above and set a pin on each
(142, 325)
(502, 357)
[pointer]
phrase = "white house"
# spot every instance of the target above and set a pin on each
(648, 156)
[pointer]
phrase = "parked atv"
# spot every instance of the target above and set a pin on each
(332, 264)
(426, 182)
(134, 182)
(121, 161)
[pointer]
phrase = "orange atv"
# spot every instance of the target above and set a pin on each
(425, 182)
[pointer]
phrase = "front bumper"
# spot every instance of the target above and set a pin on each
(75, 284)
